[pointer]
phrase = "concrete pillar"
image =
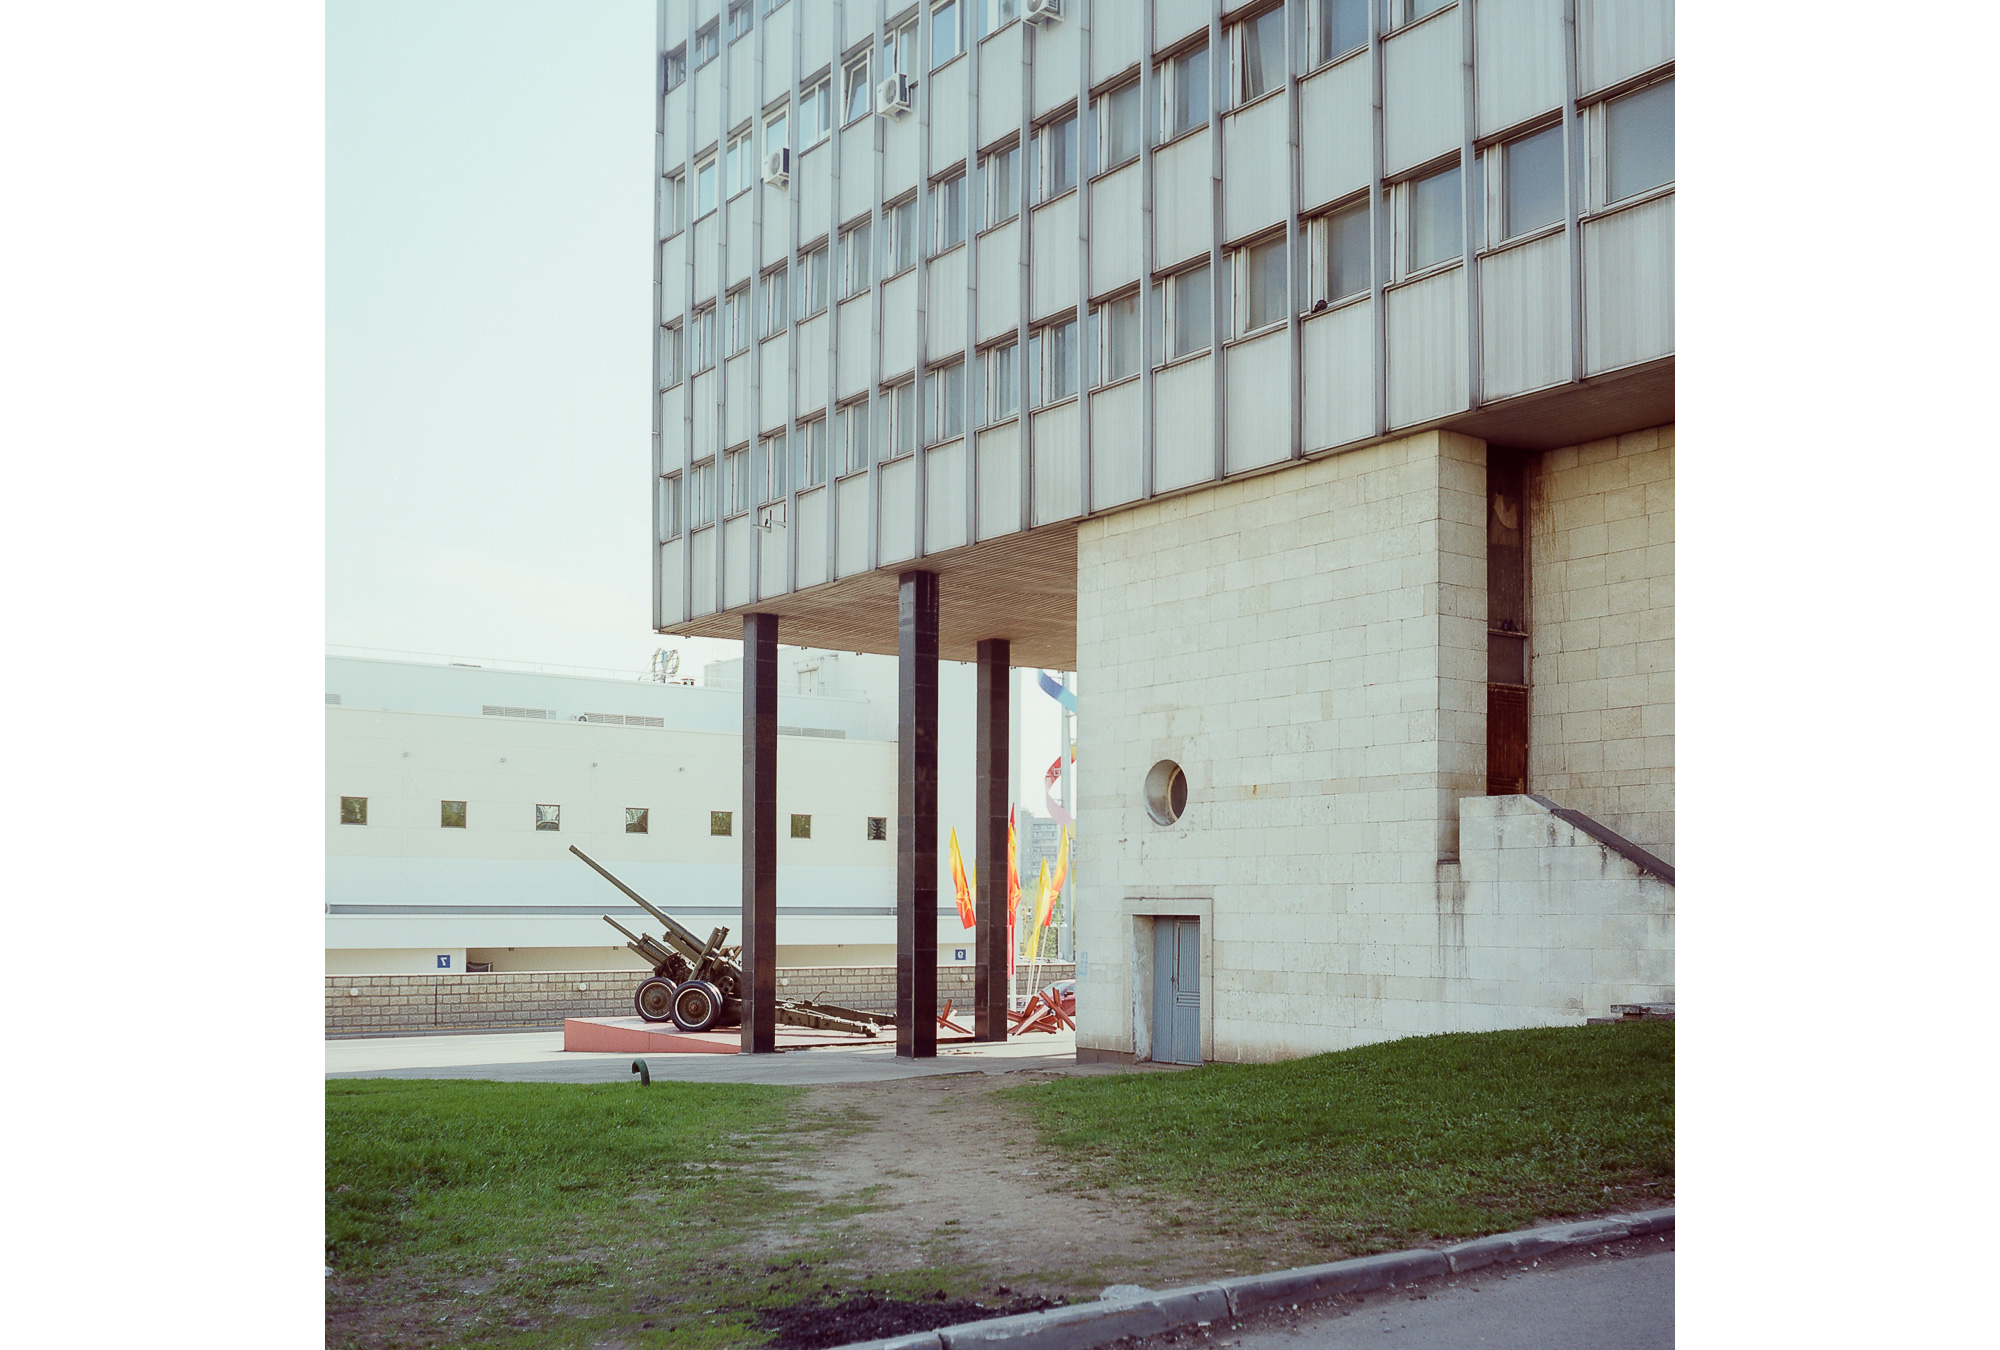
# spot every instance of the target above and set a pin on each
(989, 809)
(760, 833)
(916, 815)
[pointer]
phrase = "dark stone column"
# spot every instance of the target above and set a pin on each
(916, 815)
(989, 812)
(759, 825)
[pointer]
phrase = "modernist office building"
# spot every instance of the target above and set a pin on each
(1300, 373)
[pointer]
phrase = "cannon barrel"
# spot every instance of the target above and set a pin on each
(690, 944)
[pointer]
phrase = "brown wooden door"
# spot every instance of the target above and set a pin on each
(1506, 740)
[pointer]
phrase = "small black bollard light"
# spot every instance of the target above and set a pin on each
(645, 1074)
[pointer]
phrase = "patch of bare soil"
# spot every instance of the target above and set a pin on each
(944, 1173)
(814, 1326)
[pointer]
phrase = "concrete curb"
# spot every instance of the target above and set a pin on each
(1082, 1325)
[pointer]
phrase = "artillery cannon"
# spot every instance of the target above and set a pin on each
(698, 985)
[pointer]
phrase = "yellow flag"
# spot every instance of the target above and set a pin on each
(961, 886)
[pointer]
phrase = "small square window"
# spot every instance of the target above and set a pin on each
(802, 827)
(354, 810)
(636, 819)
(720, 822)
(878, 827)
(548, 817)
(451, 815)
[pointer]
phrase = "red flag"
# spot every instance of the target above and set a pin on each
(961, 887)
(1013, 888)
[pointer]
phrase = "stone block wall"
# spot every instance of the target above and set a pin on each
(1601, 577)
(383, 1004)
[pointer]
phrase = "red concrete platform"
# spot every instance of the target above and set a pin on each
(631, 1035)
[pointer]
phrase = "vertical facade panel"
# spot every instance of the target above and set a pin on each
(736, 407)
(1116, 471)
(776, 35)
(704, 84)
(775, 395)
(812, 363)
(1337, 151)
(770, 545)
(702, 390)
(1114, 230)
(1183, 210)
(673, 262)
(742, 238)
(902, 155)
(899, 327)
(736, 537)
(812, 537)
(672, 407)
(1259, 429)
(852, 347)
(1256, 145)
(852, 500)
(1174, 20)
(899, 511)
(947, 105)
(1117, 40)
(944, 497)
(857, 185)
(1520, 63)
(1621, 38)
(1339, 383)
(860, 22)
(813, 174)
(707, 232)
(1628, 286)
(742, 57)
(816, 35)
(1427, 348)
(1000, 84)
(702, 551)
(947, 305)
(1183, 448)
(999, 470)
(1055, 60)
(1525, 313)
(1058, 480)
(1000, 281)
(669, 555)
(1054, 257)
(1423, 92)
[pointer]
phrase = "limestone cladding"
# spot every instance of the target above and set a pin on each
(381, 1004)
(1310, 647)
(1601, 566)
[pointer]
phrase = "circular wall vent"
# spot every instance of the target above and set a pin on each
(1166, 792)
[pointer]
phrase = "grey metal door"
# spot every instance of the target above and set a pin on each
(1177, 991)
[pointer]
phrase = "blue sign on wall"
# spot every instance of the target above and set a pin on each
(958, 953)
(444, 962)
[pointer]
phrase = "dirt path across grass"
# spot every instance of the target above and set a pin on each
(945, 1173)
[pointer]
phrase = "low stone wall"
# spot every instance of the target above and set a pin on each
(379, 1004)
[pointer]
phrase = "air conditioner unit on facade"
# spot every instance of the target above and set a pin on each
(893, 97)
(778, 167)
(1043, 11)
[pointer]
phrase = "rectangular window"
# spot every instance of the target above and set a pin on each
(769, 469)
(857, 252)
(548, 817)
(1118, 129)
(670, 507)
(771, 5)
(900, 247)
(1259, 51)
(899, 50)
(704, 339)
(1338, 27)
(704, 186)
(854, 435)
(451, 815)
(857, 97)
(899, 420)
(1055, 157)
(777, 130)
(1002, 375)
(736, 312)
(1531, 177)
(735, 481)
(815, 113)
(944, 402)
(777, 293)
(739, 19)
(637, 820)
(1052, 370)
(1437, 219)
(673, 204)
(354, 810)
(812, 282)
(948, 214)
(802, 827)
(1341, 252)
(1262, 285)
(1396, 13)
(1001, 171)
(701, 493)
(945, 35)
(878, 827)
(705, 44)
(719, 822)
(1186, 304)
(812, 453)
(1639, 142)
(1115, 325)
(1184, 92)
(677, 67)
(737, 169)
(996, 14)
(670, 355)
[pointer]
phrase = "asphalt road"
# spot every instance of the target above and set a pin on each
(1605, 1303)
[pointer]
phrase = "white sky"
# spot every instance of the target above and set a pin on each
(489, 312)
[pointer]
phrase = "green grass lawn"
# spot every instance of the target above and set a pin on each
(1390, 1145)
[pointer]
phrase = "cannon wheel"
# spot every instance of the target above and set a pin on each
(697, 1005)
(655, 1000)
